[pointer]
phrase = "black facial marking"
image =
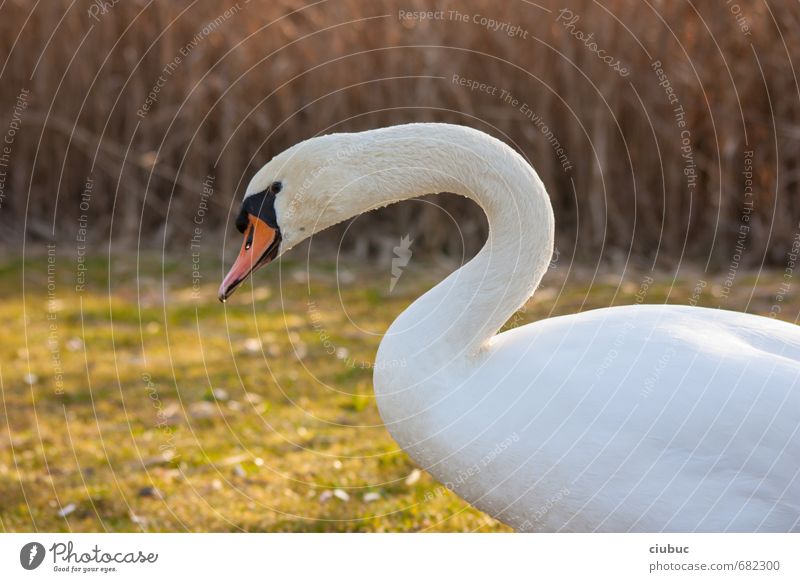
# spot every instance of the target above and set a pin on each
(242, 221)
(262, 205)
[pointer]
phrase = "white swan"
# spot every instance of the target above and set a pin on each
(638, 418)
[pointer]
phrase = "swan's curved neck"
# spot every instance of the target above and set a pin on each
(460, 315)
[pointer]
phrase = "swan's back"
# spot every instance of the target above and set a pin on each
(640, 417)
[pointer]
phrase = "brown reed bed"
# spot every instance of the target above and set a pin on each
(696, 157)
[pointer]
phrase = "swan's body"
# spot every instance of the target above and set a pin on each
(639, 418)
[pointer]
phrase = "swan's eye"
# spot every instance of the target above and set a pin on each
(242, 221)
(275, 187)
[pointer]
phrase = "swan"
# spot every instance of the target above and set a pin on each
(646, 418)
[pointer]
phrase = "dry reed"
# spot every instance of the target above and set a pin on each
(634, 176)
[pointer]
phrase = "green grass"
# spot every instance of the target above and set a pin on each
(236, 417)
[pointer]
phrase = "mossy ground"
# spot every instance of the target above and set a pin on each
(141, 403)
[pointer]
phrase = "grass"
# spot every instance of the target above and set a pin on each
(138, 404)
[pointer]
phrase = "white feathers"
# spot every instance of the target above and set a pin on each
(641, 418)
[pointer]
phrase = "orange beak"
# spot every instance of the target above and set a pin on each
(259, 248)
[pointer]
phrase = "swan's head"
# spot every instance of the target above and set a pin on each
(302, 190)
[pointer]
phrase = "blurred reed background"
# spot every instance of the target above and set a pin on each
(269, 73)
